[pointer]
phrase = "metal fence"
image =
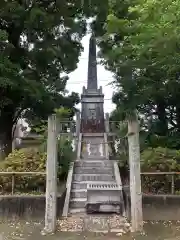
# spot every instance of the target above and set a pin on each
(13, 176)
(143, 174)
(172, 176)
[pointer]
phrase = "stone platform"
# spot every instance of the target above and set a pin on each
(94, 223)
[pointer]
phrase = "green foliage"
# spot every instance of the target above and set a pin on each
(39, 126)
(140, 47)
(65, 151)
(63, 113)
(160, 160)
(171, 141)
(39, 44)
(65, 157)
(33, 160)
(24, 160)
(154, 160)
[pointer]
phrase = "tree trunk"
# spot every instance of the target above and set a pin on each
(178, 117)
(6, 125)
(135, 178)
(5, 143)
(161, 112)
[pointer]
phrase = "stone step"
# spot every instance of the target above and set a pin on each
(79, 185)
(79, 193)
(90, 136)
(93, 170)
(77, 210)
(92, 157)
(78, 202)
(93, 163)
(93, 177)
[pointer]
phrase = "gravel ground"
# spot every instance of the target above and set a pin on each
(94, 223)
(32, 231)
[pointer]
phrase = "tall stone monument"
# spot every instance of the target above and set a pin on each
(92, 98)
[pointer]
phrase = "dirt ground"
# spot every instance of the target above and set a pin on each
(32, 231)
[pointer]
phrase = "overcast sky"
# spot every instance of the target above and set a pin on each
(78, 78)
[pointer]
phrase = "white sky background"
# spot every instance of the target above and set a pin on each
(78, 78)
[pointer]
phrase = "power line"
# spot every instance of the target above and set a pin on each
(103, 80)
(86, 58)
(105, 99)
(85, 82)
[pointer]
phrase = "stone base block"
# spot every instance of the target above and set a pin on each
(109, 207)
(104, 198)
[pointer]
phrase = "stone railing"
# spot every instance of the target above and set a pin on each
(117, 174)
(119, 183)
(67, 127)
(106, 146)
(68, 190)
(79, 146)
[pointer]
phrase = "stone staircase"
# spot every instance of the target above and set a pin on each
(93, 179)
(88, 171)
(93, 167)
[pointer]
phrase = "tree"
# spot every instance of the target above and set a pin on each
(154, 47)
(143, 43)
(39, 42)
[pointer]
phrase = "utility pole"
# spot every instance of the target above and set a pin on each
(51, 176)
(135, 177)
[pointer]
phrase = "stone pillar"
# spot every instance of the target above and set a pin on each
(135, 178)
(78, 123)
(13, 144)
(51, 176)
(17, 134)
(107, 123)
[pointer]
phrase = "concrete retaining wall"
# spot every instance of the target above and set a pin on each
(161, 207)
(157, 207)
(27, 207)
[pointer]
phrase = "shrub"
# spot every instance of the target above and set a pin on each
(24, 160)
(33, 160)
(65, 157)
(155, 160)
(160, 160)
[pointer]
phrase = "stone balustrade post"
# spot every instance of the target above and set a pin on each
(78, 123)
(107, 122)
(51, 176)
(135, 177)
